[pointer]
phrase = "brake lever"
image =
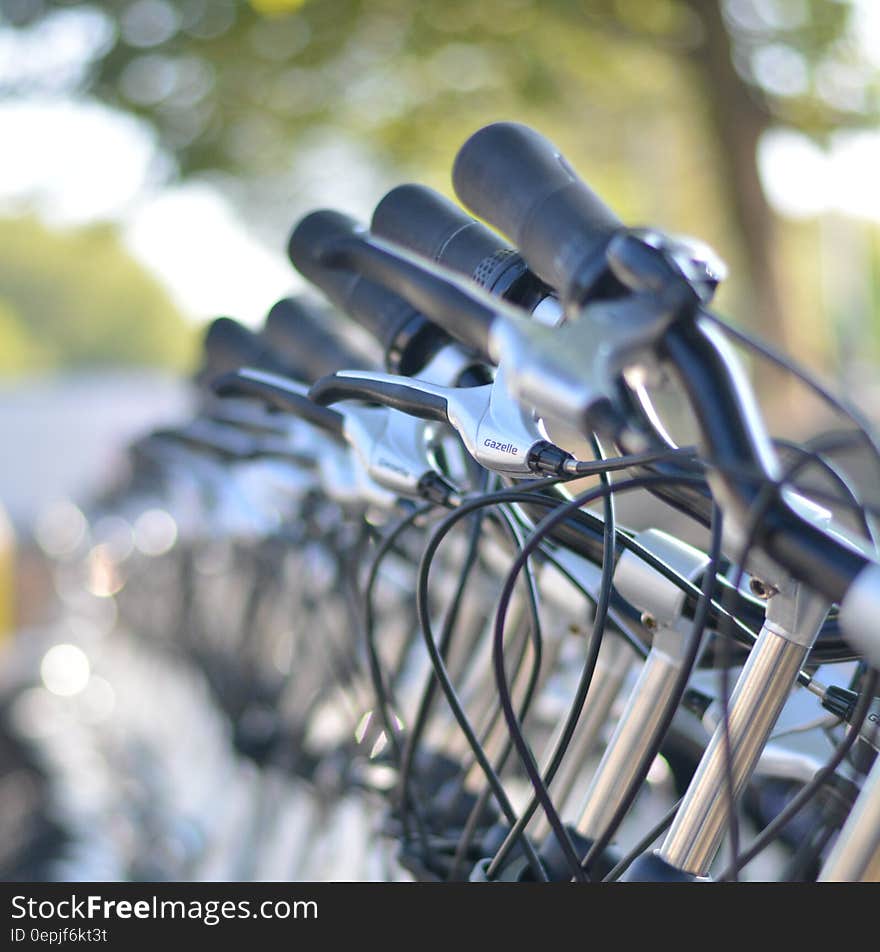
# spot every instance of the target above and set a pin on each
(227, 442)
(394, 449)
(346, 479)
(254, 418)
(281, 393)
(570, 374)
(498, 433)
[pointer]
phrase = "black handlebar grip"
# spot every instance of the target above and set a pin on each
(408, 339)
(398, 396)
(229, 345)
(426, 222)
(440, 296)
(517, 180)
(301, 334)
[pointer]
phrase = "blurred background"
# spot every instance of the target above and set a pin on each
(155, 153)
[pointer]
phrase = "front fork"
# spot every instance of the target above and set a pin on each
(856, 854)
(793, 619)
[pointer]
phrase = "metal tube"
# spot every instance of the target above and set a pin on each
(856, 854)
(614, 661)
(758, 698)
(632, 736)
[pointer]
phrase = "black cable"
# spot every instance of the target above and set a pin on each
(525, 492)
(442, 675)
(383, 698)
(535, 627)
(844, 408)
(838, 478)
(534, 675)
(469, 830)
(624, 863)
(621, 628)
(623, 631)
(560, 513)
(541, 784)
(471, 824)
(818, 495)
(610, 464)
(522, 493)
(380, 689)
(691, 654)
(420, 720)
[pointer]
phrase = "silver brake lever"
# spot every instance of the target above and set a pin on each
(500, 434)
(394, 450)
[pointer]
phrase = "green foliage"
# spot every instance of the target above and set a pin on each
(232, 84)
(19, 349)
(77, 298)
(659, 103)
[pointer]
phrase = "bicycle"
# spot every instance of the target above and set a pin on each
(512, 736)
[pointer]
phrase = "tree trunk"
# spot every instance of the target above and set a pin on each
(739, 119)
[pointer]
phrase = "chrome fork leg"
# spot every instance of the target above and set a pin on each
(856, 854)
(634, 733)
(793, 619)
(614, 661)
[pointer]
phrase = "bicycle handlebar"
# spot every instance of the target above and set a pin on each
(426, 222)
(440, 296)
(229, 345)
(413, 402)
(305, 337)
(407, 339)
(735, 441)
(282, 394)
(519, 182)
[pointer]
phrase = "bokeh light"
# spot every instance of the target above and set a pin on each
(65, 670)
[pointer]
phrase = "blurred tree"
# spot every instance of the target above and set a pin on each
(19, 349)
(77, 298)
(661, 102)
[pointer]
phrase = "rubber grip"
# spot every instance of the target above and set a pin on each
(438, 296)
(397, 396)
(229, 345)
(426, 222)
(309, 339)
(380, 312)
(517, 180)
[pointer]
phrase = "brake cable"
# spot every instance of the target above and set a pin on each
(540, 785)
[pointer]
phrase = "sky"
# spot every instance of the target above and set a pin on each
(79, 161)
(110, 168)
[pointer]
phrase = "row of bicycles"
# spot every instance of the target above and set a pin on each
(394, 542)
